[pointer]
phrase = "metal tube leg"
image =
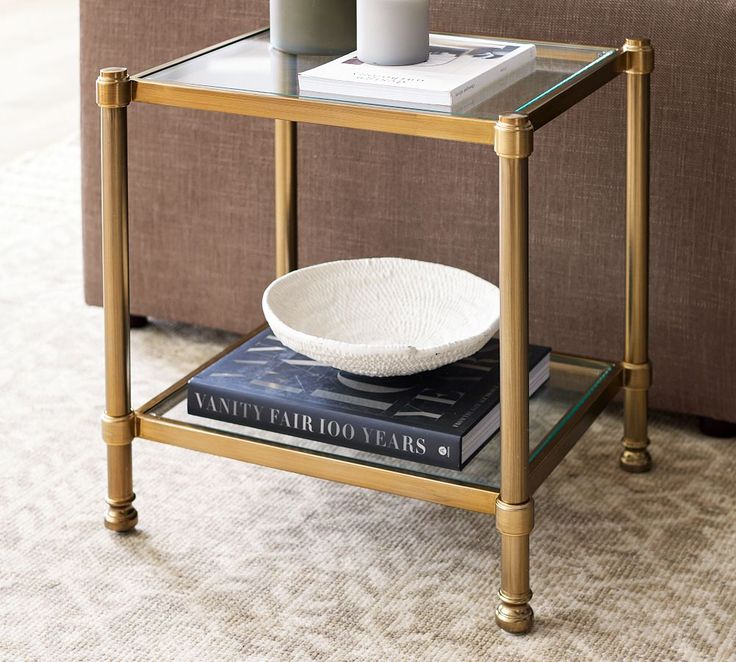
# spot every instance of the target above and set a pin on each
(637, 369)
(514, 508)
(118, 422)
(286, 196)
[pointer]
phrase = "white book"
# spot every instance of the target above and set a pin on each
(458, 69)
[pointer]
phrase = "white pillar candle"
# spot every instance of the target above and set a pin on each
(393, 32)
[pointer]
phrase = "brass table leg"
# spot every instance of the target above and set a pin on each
(286, 196)
(118, 421)
(635, 457)
(514, 508)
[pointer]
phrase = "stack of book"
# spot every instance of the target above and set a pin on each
(460, 73)
(442, 417)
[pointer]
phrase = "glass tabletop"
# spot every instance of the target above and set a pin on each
(573, 382)
(249, 64)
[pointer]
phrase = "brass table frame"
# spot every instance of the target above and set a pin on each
(512, 138)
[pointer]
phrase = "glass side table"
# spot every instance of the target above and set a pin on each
(245, 77)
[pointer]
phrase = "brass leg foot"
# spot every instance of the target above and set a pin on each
(121, 516)
(514, 617)
(635, 461)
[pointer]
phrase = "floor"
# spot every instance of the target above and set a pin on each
(237, 562)
(39, 56)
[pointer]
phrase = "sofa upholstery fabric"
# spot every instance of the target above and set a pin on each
(201, 190)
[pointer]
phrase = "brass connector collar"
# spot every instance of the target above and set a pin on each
(637, 376)
(509, 599)
(113, 88)
(639, 56)
(514, 519)
(636, 446)
(118, 430)
(513, 137)
(124, 502)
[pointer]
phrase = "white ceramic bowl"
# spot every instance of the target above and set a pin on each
(382, 316)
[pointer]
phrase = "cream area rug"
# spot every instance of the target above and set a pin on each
(235, 562)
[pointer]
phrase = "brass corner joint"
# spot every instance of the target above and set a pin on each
(114, 89)
(514, 519)
(637, 376)
(513, 137)
(118, 430)
(639, 56)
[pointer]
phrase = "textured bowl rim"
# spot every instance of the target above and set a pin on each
(363, 349)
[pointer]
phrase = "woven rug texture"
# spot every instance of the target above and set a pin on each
(237, 562)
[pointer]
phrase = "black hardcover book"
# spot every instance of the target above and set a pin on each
(441, 417)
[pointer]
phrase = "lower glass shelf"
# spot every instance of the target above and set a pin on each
(559, 413)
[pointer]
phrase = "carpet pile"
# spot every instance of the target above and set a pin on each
(235, 562)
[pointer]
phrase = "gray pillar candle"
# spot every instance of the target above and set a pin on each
(313, 27)
(393, 32)
(286, 67)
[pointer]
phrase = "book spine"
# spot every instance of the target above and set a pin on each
(337, 428)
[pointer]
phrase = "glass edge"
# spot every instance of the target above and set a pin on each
(200, 53)
(179, 395)
(525, 107)
(353, 460)
(607, 52)
(552, 434)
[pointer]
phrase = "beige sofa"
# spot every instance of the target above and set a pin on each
(201, 202)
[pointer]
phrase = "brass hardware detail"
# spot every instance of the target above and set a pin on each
(514, 519)
(515, 619)
(121, 516)
(637, 376)
(118, 503)
(635, 458)
(285, 185)
(118, 426)
(335, 469)
(514, 615)
(114, 89)
(514, 136)
(513, 144)
(639, 56)
(316, 111)
(515, 600)
(118, 430)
